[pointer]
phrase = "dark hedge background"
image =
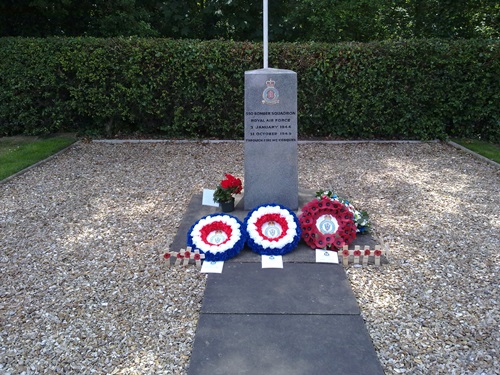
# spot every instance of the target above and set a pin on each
(413, 89)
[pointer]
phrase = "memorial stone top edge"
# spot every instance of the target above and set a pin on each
(270, 71)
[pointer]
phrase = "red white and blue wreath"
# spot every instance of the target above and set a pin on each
(327, 223)
(218, 236)
(272, 229)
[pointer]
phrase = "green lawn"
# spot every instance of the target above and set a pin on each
(17, 153)
(488, 150)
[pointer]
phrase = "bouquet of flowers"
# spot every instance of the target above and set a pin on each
(361, 219)
(227, 188)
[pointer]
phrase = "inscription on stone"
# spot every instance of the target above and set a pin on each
(270, 126)
(271, 174)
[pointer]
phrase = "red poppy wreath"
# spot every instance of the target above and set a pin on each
(327, 223)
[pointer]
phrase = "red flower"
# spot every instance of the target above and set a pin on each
(225, 184)
(345, 253)
(378, 253)
(187, 254)
(338, 243)
(197, 256)
(357, 253)
(166, 256)
(179, 255)
(233, 183)
(367, 252)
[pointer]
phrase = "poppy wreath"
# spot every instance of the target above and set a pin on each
(327, 223)
(272, 229)
(218, 236)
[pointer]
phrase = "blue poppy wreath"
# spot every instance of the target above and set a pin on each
(272, 229)
(218, 236)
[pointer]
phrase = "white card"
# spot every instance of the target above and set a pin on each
(208, 198)
(272, 261)
(326, 256)
(212, 267)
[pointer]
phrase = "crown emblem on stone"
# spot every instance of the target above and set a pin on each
(270, 82)
(271, 94)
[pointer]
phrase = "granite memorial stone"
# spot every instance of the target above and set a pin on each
(271, 173)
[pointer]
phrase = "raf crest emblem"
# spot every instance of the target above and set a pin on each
(270, 95)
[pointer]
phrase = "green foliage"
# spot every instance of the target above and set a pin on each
(289, 20)
(413, 89)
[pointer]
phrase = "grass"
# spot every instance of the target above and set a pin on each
(17, 153)
(488, 150)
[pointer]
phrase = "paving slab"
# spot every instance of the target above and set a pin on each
(301, 319)
(298, 288)
(283, 345)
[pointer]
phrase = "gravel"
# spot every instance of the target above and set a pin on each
(84, 289)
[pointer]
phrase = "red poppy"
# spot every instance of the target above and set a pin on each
(345, 253)
(378, 253)
(166, 256)
(197, 256)
(187, 254)
(338, 243)
(357, 253)
(367, 252)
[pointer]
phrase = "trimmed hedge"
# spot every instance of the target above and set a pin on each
(415, 89)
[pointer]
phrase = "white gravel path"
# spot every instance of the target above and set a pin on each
(83, 288)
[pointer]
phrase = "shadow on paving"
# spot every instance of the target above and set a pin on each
(302, 319)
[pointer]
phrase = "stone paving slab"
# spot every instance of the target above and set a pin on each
(298, 288)
(283, 345)
(301, 319)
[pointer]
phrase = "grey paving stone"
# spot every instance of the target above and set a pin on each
(302, 319)
(283, 345)
(296, 289)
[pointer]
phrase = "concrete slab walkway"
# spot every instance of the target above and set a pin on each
(302, 319)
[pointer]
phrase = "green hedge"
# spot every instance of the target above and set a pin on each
(416, 89)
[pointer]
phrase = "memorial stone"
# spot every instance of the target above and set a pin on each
(271, 173)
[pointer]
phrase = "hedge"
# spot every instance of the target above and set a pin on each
(414, 89)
